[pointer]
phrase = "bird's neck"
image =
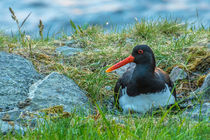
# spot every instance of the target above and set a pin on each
(143, 72)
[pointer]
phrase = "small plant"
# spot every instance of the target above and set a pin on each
(29, 44)
(41, 28)
(22, 34)
(77, 29)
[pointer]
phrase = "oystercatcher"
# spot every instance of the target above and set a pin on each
(143, 86)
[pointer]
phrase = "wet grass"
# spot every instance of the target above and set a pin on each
(77, 127)
(171, 42)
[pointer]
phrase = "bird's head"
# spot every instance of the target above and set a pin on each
(141, 54)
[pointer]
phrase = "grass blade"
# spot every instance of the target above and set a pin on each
(73, 25)
(25, 20)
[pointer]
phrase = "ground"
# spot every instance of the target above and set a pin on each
(174, 44)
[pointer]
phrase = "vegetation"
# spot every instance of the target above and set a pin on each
(173, 43)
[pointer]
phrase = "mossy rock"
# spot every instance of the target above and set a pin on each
(200, 64)
(196, 52)
(53, 110)
(199, 59)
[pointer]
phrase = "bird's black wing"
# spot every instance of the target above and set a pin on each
(164, 76)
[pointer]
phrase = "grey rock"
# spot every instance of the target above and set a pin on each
(199, 112)
(19, 129)
(123, 69)
(108, 88)
(56, 89)
(208, 46)
(11, 115)
(118, 119)
(177, 74)
(68, 51)
(16, 76)
(129, 40)
(204, 89)
(70, 42)
(206, 85)
(5, 127)
(31, 119)
(36, 121)
(97, 50)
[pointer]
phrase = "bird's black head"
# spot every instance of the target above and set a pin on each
(143, 54)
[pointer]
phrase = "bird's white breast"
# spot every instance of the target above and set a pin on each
(144, 102)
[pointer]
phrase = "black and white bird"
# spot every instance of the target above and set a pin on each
(143, 86)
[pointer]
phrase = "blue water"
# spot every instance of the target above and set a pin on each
(56, 14)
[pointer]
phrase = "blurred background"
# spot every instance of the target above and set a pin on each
(56, 14)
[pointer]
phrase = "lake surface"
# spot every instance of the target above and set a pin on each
(56, 14)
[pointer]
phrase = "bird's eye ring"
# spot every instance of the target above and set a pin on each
(140, 51)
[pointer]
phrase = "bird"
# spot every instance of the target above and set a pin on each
(143, 86)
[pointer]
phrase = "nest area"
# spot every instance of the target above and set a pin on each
(197, 69)
(199, 60)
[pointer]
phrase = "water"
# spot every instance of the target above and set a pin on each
(56, 14)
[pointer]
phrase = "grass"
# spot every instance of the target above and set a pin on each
(172, 43)
(77, 127)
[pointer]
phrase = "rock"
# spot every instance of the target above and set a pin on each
(204, 89)
(96, 50)
(208, 46)
(108, 88)
(70, 42)
(129, 41)
(11, 115)
(56, 89)
(16, 76)
(68, 51)
(123, 69)
(32, 119)
(5, 127)
(177, 74)
(206, 85)
(199, 112)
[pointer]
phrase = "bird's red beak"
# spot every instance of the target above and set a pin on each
(127, 60)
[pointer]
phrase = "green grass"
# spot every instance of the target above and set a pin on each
(171, 42)
(126, 127)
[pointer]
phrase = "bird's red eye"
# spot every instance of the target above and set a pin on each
(140, 51)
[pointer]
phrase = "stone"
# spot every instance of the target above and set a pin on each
(16, 76)
(68, 51)
(206, 85)
(10, 115)
(70, 42)
(56, 89)
(108, 88)
(177, 74)
(199, 112)
(204, 89)
(208, 46)
(32, 119)
(96, 50)
(5, 127)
